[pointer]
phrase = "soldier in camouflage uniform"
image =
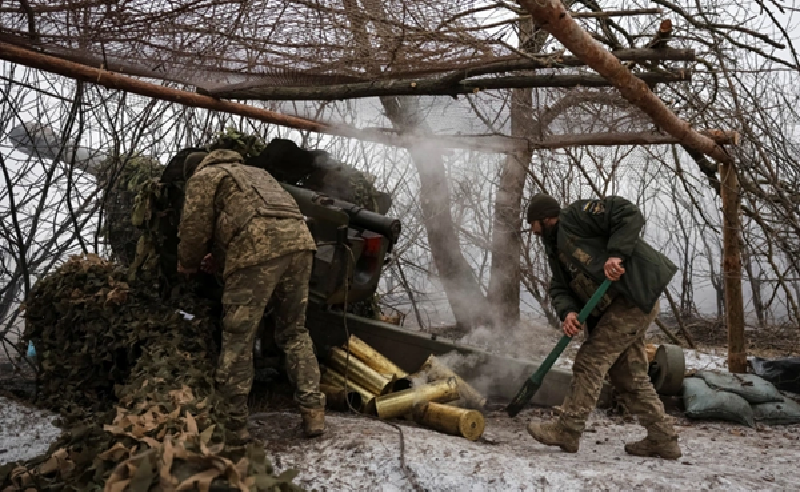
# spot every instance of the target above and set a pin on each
(239, 220)
(586, 242)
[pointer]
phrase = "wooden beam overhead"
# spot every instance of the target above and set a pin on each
(554, 18)
(484, 143)
(431, 87)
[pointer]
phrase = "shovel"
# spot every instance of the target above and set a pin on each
(533, 383)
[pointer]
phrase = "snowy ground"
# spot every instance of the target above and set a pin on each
(711, 359)
(359, 453)
(362, 453)
(24, 432)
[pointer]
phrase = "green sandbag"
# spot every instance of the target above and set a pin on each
(785, 412)
(749, 386)
(705, 403)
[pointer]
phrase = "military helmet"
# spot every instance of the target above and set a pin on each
(191, 162)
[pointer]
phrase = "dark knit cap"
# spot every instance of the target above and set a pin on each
(542, 206)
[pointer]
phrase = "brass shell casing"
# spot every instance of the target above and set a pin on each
(373, 358)
(436, 371)
(357, 371)
(449, 419)
(401, 403)
(331, 377)
(337, 398)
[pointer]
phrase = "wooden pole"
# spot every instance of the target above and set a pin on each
(116, 81)
(553, 17)
(484, 143)
(732, 268)
(428, 87)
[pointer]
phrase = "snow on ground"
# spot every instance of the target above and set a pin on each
(711, 359)
(708, 359)
(360, 453)
(25, 432)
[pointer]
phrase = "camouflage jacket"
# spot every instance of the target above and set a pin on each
(588, 233)
(240, 214)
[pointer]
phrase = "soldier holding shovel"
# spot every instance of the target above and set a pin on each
(586, 242)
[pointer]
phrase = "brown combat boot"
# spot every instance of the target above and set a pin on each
(553, 434)
(313, 421)
(655, 446)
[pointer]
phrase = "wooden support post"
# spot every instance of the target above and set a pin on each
(732, 268)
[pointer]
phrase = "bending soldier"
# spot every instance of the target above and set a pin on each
(585, 242)
(238, 219)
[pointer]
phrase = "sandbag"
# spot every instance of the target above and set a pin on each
(749, 386)
(786, 412)
(783, 372)
(704, 403)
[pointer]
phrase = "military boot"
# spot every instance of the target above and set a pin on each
(655, 446)
(553, 434)
(313, 421)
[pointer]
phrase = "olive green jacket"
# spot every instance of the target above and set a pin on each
(588, 233)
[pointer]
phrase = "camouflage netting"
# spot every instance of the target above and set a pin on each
(132, 377)
(91, 327)
(127, 175)
(134, 381)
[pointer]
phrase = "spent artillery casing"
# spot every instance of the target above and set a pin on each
(437, 371)
(401, 403)
(333, 378)
(358, 371)
(449, 419)
(373, 358)
(336, 397)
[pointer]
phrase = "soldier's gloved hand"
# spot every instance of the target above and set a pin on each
(613, 268)
(208, 265)
(571, 326)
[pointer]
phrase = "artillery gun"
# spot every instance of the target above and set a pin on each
(354, 239)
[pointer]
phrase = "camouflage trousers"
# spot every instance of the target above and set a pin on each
(616, 347)
(247, 292)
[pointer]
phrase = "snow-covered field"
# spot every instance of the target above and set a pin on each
(362, 453)
(359, 453)
(25, 432)
(712, 359)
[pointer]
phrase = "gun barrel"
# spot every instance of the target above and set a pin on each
(359, 217)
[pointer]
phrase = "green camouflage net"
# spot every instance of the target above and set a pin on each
(133, 379)
(128, 174)
(232, 139)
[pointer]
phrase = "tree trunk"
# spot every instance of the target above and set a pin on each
(460, 285)
(462, 289)
(505, 280)
(755, 286)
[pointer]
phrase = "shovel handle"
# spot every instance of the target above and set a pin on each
(554, 354)
(533, 383)
(589, 307)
